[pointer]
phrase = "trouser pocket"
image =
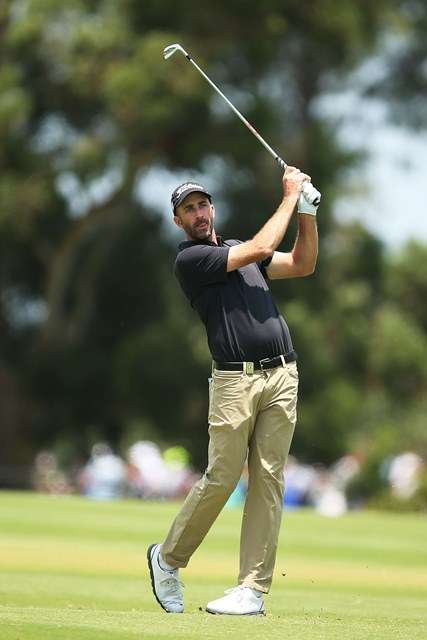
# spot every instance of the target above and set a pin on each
(228, 398)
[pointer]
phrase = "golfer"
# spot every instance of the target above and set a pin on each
(252, 393)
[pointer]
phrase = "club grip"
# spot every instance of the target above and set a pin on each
(281, 162)
(311, 194)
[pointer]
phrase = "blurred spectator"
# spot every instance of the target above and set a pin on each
(298, 480)
(104, 476)
(326, 497)
(148, 476)
(151, 475)
(181, 476)
(319, 487)
(47, 477)
(344, 470)
(404, 474)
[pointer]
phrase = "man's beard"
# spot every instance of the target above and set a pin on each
(200, 232)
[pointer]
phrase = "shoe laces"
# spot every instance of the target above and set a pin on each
(172, 580)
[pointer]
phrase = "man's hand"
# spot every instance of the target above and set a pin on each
(293, 181)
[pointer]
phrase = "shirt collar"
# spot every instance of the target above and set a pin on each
(191, 243)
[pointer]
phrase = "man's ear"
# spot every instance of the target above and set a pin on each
(213, 211)
(177, 221)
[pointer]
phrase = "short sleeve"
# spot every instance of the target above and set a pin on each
(202, 264)
(263, 266)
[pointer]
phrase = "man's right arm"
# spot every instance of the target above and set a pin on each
(264, 243)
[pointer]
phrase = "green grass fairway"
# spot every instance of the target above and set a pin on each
(74, 569)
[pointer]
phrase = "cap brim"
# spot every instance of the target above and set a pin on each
(189, 192)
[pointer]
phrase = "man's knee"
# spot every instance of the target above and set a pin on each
(223, 480)
(267, 478)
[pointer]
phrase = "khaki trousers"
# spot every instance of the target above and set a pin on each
(253, 417)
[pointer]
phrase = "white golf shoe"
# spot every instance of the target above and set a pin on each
(239, 601)
(166, 585)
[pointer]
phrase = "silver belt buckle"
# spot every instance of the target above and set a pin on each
(261, 363)
(249, 368)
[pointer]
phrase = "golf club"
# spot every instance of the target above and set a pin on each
(311, 194)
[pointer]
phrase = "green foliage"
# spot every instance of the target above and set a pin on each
(405, 82)
(406, 282)
(95, 334)
(398, 355)
(15, 103)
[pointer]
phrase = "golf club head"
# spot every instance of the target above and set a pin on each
(171, 49)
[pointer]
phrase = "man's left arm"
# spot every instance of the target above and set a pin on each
(301, 261)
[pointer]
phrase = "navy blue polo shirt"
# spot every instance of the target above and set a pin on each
(241, 319)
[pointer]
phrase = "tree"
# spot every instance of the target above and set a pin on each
(94, 330)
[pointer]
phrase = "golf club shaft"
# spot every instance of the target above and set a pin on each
(251, 128)
(309, 192)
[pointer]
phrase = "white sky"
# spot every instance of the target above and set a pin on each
(387, 191)
(395, 207)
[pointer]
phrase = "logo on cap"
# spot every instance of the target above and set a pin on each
(184, 190)
(189, 185)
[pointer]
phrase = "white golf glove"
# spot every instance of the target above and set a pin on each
(308, 196)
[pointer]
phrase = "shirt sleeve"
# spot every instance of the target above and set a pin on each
(202, 265)
(263, 266)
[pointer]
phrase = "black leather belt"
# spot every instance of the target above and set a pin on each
(265, 363)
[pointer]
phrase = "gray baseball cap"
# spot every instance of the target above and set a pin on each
(184, 190)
